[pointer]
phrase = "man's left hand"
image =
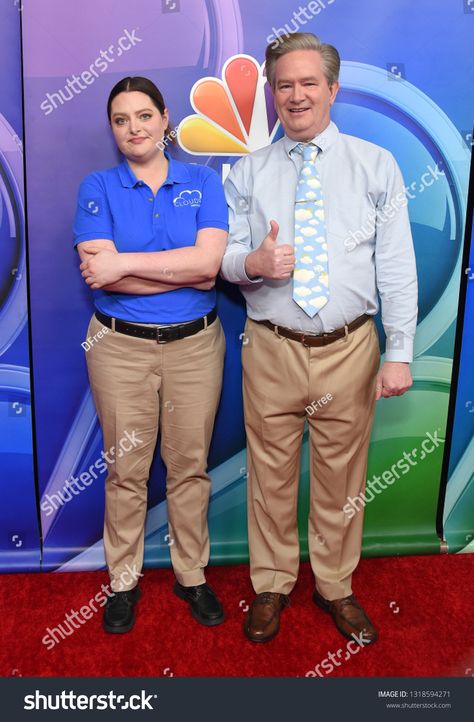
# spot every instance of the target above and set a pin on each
(103, 268)
(393, 379)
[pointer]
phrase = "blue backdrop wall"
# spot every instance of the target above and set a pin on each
(19, 539)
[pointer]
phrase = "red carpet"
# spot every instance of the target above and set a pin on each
(422, 606)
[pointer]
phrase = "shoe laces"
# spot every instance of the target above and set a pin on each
(120, 599)
(349, 601)
(270, 597)
(200, 589)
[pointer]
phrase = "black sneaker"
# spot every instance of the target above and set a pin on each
(205, 606)
(119, 614)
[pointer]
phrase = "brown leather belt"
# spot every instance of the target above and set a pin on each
(160, 334)
(321, 339)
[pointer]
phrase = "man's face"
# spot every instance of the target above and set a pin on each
(302, 95)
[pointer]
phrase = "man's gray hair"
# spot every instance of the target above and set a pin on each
(302, 41)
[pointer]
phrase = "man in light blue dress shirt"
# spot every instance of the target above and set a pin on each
(321, 365)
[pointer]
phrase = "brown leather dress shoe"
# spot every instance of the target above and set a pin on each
(349, 617)
(263, 619)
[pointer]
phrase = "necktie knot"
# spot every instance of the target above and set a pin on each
(309, 151)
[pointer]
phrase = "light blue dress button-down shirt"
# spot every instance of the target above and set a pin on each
(370, 247)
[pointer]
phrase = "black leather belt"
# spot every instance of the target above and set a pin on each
(321, 339)
(160, 334)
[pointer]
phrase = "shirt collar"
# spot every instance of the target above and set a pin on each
(177, 173)
(324, 140)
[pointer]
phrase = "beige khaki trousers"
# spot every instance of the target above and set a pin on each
(280, 378)
(140, 386)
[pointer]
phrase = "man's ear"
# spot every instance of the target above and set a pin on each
(334, 88)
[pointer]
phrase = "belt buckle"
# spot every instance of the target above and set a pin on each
(303, 341)
(158, 329)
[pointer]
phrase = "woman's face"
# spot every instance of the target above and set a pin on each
(137, 125)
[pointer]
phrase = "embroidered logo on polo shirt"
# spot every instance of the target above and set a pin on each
(188, 198)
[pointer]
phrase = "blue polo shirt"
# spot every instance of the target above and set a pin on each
(113, 204)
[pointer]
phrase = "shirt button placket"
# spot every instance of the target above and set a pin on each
(156, 215)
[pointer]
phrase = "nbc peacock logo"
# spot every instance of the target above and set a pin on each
(234, 115)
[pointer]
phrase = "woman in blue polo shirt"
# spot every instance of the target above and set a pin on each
(151, 234)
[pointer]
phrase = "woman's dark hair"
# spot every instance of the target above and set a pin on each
(142, 85)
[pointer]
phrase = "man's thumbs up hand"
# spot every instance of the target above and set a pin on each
(271, 260)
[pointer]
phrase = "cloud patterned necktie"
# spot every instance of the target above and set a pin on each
(310, 277)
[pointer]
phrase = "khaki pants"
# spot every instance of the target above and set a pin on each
(139, 386)
(281, 378)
